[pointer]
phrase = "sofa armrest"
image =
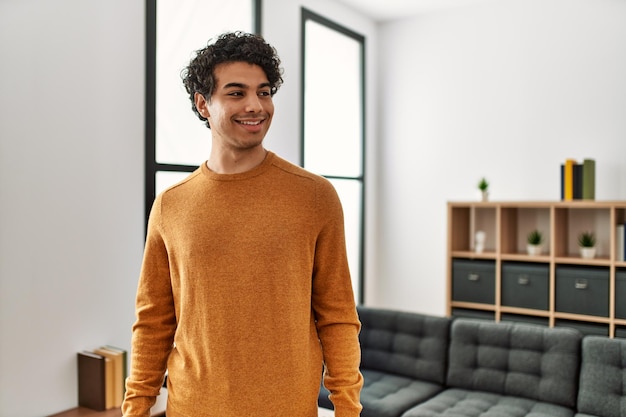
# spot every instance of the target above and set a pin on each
(602, 389)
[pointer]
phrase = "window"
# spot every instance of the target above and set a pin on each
(177, 142)
(333, 129)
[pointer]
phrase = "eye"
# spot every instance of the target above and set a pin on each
(235, 94)
(265, 93)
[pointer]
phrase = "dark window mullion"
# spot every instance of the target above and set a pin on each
(175, 167)
(307, 15)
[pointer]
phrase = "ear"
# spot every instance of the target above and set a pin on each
(201, 105)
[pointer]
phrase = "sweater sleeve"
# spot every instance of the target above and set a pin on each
(153, 331)
(335, 310)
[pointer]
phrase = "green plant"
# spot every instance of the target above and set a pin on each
(535, 237)
(483, 184)
(587, 239)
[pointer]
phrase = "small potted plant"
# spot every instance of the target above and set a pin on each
(534, 241)
(587, 244)
(483, 186)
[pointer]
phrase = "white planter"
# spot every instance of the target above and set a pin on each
(587, 253)
(534, 250)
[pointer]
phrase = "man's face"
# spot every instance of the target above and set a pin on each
(241, 108)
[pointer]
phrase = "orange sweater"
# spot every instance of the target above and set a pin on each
(244, 294)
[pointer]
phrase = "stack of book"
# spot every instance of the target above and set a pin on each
(578, 180)
(101, 376)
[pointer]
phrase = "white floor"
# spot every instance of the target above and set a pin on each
(323, 412)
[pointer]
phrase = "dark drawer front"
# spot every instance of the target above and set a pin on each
(541, 321)
(525, 285)
(582, 290)
(587, 329)
(474, 281)
(620, 294)
(473, 314)
(620, 332)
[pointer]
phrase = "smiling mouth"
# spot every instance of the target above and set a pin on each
(250, 122)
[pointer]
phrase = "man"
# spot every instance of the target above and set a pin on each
(244, 293)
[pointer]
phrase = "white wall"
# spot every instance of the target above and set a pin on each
(71, 190)
(505, 89)
(71, 179)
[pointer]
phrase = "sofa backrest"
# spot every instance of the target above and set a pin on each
(404, 343)
(602, 389)
(530, 361)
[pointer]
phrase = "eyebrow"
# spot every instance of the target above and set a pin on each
(241, 85)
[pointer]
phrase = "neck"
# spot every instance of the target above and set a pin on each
(235, 161)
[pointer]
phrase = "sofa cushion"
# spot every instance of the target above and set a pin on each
(387, 395)
(404, 343)
(603, 377)
(465, 403)
(514, 359)
(403, 360)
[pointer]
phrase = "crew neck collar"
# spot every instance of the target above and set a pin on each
(259, 169)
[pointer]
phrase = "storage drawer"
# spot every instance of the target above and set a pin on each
(525, 285)
(519, 318)
(620, 332)
(620, 294)
(582, 290)
(473, 314)
(594, 329)
(474, 281)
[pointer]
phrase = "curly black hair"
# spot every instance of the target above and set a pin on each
(199, 75)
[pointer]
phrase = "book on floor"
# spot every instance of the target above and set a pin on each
(114, 378)
(91, 380)
(102, 376)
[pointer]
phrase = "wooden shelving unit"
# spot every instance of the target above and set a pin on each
(573, 288)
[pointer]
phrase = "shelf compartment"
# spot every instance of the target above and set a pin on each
(571, 221)
(518, 222)
(465, 221)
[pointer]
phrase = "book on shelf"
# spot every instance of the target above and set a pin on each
(101, 377)
(620, 243)
(589, 179)
(577, 181)
(568, 193)
(562, 182)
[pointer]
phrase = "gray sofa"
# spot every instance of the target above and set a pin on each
(417, 365)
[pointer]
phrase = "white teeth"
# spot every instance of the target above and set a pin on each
(251, 123)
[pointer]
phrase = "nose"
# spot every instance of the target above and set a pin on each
(253, 104)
